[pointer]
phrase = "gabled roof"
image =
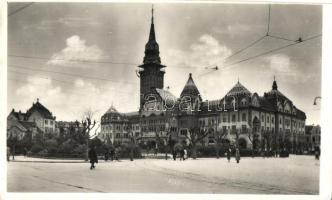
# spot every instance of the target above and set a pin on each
(190, 88)
(41, 109)
(238, 89)
(18, 115)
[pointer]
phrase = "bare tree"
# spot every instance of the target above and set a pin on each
(87, 126)
(196, 135)
(218, 137)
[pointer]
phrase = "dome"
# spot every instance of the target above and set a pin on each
(238, 89)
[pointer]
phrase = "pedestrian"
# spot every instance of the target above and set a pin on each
(117, 153)
(155, 151)
(93, 157)
(237, 155)
(13, 152)
(8, 153)
(317, 152)
(185, 154)
(106, 156)
(228, 153)
(174, 154)
(25, 151)
(182, 154)
(112, 154)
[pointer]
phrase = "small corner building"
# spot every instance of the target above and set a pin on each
(270, 121)
(37, 119)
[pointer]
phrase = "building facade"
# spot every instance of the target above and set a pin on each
(240, 117)
(312, 137)
(37, 119)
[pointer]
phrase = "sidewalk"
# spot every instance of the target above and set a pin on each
(46, 160)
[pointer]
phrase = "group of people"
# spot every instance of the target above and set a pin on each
(237, 155)
(183, 154)
(113, 154)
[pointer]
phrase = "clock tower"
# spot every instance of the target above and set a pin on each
(151, 71)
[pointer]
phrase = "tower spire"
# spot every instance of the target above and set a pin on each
(274, 85)
(152, 47)
(152, 15)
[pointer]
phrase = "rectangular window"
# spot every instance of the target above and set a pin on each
(233, 118)
(233, 129)
(46, 122)
(262, 118)
(183, 132)
(224, 119)
(244, 128)
(244, 117)
(272, 119)
(268, 119)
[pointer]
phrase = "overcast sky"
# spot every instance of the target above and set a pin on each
(190, 36)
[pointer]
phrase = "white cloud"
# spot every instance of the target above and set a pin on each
(76, 50)
(78, 22)
(70, 102)
(281, 64)
(232, 29)
(206, 52)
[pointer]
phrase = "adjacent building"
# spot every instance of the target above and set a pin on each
(36, 119)
(312, 137)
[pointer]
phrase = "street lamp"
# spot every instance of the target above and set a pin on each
(315, 103)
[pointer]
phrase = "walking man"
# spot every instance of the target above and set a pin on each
(185, 154)
(237, 155)
(93, 157)
(229, 151)
(8, 153)
(317, 152)
(182, 154)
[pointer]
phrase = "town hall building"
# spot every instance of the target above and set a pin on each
(240, 117)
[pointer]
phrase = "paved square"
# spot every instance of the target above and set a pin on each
(294, 175)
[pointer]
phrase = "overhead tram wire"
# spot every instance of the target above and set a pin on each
(70, 60)
(270, 51)
(247, 47)
(268, 21)
(20, 9)
(70, 74)
(261, 38)
(61, 81)
(265, 53)
(90, 61)
(24, 81)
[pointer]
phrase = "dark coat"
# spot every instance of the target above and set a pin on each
(237, 154)
(93, 156)
(228, 154)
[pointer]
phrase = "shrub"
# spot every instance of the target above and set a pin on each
(36, 148)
